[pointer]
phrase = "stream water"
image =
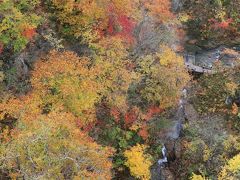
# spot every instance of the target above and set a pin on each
(180, 115)
(164, 160)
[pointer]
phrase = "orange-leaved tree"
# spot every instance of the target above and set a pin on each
(46, 139)
(62, 82)
(51, 146)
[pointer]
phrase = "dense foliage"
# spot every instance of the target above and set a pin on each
(91, 20)
(163, 75)
(211, 142)
(18, 23)
(219, 93)
(93, 89)
(52, 147)
(214, 21)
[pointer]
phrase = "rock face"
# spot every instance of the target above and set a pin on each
(23, 62)
(166, 174)
(18, 66)
(159, 173)
(21, 66)
(228, 56)
(150, 35)
(174, 133)
(190, 113)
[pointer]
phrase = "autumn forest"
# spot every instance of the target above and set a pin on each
(120, 89)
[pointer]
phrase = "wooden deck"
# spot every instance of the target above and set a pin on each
(194, 68)
(189, 61)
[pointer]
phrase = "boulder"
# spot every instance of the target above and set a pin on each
(166, 174)
(227, 56)
(175, 131)
(161, 173)
(190, 113)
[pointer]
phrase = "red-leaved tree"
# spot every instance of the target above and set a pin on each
(29, 33)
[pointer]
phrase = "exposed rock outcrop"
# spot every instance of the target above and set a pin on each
(150, 35)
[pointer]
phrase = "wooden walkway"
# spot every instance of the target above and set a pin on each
(189, 61)
(194, 68)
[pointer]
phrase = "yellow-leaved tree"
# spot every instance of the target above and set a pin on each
(138, 161)
(112, 62)
(163, 77)
(197, 177)
(231, 169)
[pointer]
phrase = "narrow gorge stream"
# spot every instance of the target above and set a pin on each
(172, 137)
